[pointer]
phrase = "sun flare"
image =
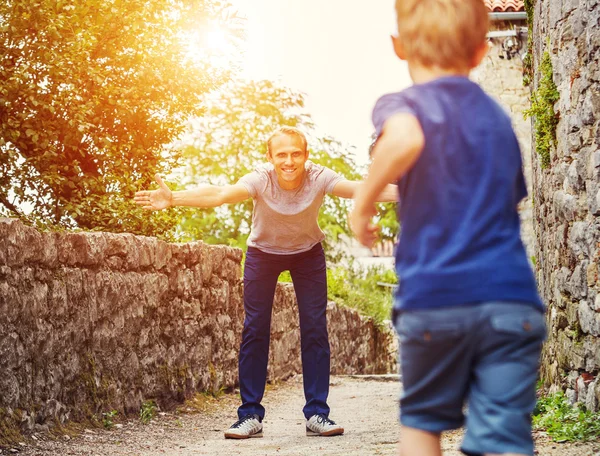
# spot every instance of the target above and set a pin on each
(211, 44)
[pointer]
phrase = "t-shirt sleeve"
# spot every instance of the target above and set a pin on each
(387, 106)
(253, 182)
(329, 179)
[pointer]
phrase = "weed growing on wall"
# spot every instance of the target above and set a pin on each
(542, 111)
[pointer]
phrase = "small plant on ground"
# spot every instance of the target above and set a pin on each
(565, 422)
(107, 419)
(148, 411)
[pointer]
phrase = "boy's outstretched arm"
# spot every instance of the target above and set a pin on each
(397, 149)
(201, 196)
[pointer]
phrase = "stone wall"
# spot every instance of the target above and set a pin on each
(501, 76)
(93, 322)
(567, 198)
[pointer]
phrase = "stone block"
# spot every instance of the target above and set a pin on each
(81, 249)
(589, 320)
(594, 165)
(577, 283)
(590, 400)
(592, 274)
(593, 197)
(564, 205)
(11, 391)
(21, 244)
(573, 182)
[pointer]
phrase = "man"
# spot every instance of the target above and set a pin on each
(285, 235)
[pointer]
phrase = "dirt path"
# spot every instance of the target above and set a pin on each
(366, 407)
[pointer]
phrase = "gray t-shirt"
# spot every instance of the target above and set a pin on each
(285, 221)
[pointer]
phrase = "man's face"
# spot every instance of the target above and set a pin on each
(288, 157)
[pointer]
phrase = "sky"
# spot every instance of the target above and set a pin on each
(337, 52)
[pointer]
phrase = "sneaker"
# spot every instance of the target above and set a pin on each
(320, 425)
(246, 427)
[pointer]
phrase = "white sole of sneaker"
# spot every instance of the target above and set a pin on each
(237, 436)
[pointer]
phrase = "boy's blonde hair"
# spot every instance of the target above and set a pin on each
(442, 33)
(287, 131)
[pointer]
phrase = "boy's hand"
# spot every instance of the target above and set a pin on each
(363, 229)
(155, 200)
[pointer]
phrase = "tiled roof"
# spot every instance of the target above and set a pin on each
(503, 6)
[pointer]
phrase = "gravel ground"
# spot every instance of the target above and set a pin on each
(365, 406)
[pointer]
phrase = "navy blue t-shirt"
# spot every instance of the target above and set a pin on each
(460, 238)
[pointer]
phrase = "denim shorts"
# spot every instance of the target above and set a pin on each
(484, 357)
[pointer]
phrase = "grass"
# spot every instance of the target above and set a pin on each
(361, 289)
(564, 422)
(107, 419)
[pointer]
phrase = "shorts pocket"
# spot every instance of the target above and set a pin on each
(530, 323)
(419, 328)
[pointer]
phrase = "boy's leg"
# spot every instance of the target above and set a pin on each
(435, 359)
(414, 442)
(502, 393)
(308, 271)
(260, 278)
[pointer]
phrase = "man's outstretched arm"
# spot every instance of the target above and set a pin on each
(347, 189)
(201, 196)
(394, 154)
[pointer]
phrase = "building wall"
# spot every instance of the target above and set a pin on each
(502, 78)
(567, 198)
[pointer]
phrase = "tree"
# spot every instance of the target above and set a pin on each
(229, 141)
(91, 92)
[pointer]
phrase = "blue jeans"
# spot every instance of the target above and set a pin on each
(485, 356)
(308, 271)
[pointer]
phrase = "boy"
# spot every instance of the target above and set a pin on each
(467, 312)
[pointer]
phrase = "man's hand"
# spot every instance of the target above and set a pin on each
(155, 200)
(363, 229)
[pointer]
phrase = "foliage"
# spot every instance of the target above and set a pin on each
(148, 411)
(91, 93)
(107, 419)
(542, 110)
(229, 141)
(362, 289)
(564, 422)
(528, 59)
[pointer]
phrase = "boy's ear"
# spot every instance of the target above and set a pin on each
(480, 53)
(398, 48)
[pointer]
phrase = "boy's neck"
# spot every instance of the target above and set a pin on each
(421, 74)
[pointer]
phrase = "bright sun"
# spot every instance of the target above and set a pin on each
(213, 44)
(216, 39)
